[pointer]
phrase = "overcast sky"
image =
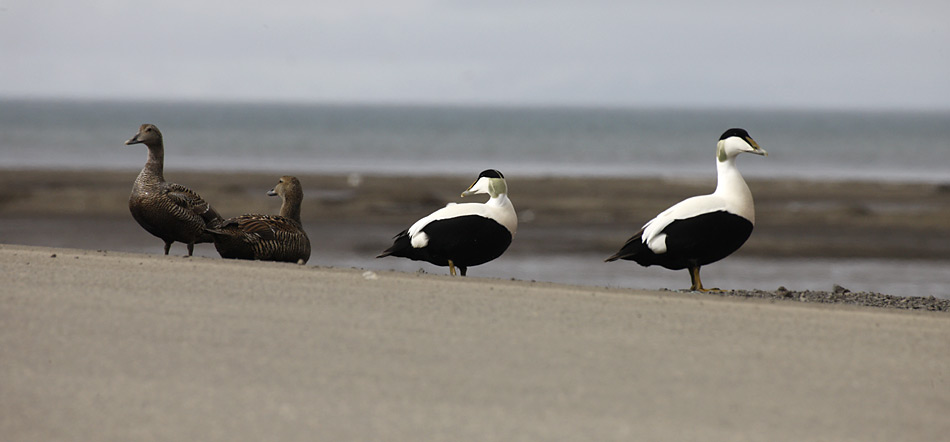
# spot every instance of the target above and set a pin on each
(801, 54)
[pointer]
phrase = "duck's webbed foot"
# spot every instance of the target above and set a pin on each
(697, 282)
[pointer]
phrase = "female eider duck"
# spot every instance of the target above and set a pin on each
(702, 229)
(462, 235)
(169, 211)
(267, 237)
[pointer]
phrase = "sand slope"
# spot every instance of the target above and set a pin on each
(119, 347)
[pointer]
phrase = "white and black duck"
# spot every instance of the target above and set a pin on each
(267, 237)
(702, 229)
(462, 235)
(169, 211)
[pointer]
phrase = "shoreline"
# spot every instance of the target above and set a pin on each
(591, 172)
(838, 296)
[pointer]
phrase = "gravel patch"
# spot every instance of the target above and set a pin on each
(841, 295)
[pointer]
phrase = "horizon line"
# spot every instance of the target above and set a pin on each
(478, 104)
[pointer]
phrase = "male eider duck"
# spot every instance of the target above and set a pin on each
(169, 211)
(267, 237)
(702, 229)
(462, 235)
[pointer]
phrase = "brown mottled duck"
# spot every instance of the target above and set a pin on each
(169, 211)
(267, 237)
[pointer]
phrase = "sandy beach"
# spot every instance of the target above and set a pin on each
(114, 346)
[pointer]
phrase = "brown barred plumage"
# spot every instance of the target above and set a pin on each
(267, 237)
(169, 211)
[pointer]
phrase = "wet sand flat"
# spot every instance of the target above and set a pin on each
(121, 346)
(556, 214)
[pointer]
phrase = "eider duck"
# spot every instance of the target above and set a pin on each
(169, 211)
(267, 237)
(462, 235)
(702, 229)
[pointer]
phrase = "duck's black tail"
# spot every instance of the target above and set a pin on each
(630, 248)
(401, 242)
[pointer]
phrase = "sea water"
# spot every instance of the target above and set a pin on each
(293, 139)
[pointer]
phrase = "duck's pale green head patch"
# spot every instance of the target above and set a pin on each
(491, 182)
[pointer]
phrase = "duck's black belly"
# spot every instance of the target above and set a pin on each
(466, 240)
(699, 240)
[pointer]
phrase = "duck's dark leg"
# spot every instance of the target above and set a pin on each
(451, 268)
(698, 283)
(694, 278)
(168, 245)
(462, 270)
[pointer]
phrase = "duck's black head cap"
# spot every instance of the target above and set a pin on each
(491, 173)
(734, 132)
